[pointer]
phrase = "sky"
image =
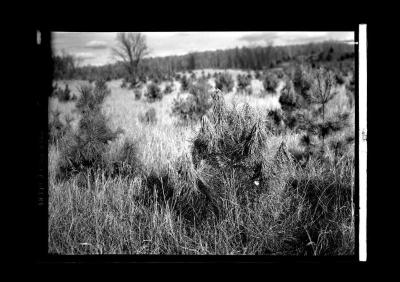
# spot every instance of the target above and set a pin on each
(95, 48)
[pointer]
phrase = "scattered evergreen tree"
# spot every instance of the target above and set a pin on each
(257, 75)
(243, 81)
(224, 82)
(185, 83)
(84, 151)
(168, 88)
(319, 126)
(138, 93)
(63, 95)
(270, 82)
(194, 106)
(340, 80)
(203, 75)
(124, 84)
(58, 129)
(153, 92)
(149, 116)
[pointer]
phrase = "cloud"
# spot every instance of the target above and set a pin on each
(94, 44)
(259, 37)
(85, 55)
(290, 38)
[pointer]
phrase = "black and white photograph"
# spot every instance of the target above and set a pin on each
(201, 143)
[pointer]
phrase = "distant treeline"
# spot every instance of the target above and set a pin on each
(331, 54)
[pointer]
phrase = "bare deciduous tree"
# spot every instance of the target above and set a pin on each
(131, 48)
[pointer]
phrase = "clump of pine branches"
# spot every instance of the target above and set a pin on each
(63, 95)
(85, 149)
(57, 128)
(193, 107)
(153, 92)
(243, 82)
(149, 116)
(224, 82)
(185, 83)
(305, 104)
(270, 82)
(228, 155)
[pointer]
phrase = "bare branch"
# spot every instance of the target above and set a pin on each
(130, 48)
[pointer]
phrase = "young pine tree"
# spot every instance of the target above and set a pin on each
(321, 92)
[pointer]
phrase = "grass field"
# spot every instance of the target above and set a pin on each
(114, 217)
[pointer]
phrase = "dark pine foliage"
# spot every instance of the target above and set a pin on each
(153, 92)
(84, 151)
(185, 83)
(138, 93)
(305, 110)
(195, 105)
(63, 95)
(58, 129)
(270, 82)
(224, 82)
(227, 149)
(243, 81)
(168, 88)
(149, 116)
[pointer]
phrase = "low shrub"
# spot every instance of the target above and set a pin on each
(228, 155)
(84, 151)
(63, 95)
(168, 88)
(153, 92)
(194, 106)
(224, 82)
(58, 129)
(124, 83)
(339, 78)
(288, 99)
(249, 90)
(279, 73)
(185, 83)
(302, 81)
(275, 121)
(91, 99)
(125, 162)
(242, 82)
(270, 82)
(156, 80)
(149, 116)
(138, 93)
(203, 75)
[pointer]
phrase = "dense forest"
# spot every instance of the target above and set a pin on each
(332, 54)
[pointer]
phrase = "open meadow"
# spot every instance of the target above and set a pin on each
(241, 178)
